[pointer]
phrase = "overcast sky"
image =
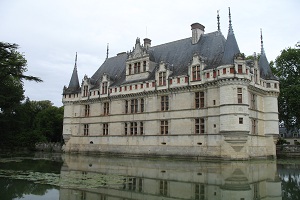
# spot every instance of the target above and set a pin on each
(50, 32)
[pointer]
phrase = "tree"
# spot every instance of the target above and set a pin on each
(287, 69)
(13, 65)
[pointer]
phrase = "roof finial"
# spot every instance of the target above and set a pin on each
(107, 49)
(76, 60)
(218, 18)
(230, 25)
(261, 42)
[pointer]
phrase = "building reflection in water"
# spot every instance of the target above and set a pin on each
(149, 179)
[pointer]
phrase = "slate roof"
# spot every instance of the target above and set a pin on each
(74, 82)
(177, 54)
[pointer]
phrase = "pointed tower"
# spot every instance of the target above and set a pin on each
(218, 19)
(74, 82)
(231, 46)
(264, 67)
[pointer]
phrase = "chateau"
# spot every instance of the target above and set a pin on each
(195, 97)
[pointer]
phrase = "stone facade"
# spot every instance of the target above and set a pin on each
(192, 97)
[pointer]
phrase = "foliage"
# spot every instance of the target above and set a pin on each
(281, 141)
(287, 69)
(28, 122)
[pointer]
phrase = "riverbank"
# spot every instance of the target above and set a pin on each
(290, 151)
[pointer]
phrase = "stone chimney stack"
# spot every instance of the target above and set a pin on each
(147, 43)
(197, 31)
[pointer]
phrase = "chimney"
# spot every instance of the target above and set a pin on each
(197, 31)
(147, 43)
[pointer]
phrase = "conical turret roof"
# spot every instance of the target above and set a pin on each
(264, 66)
(74, 81)
(231, 46)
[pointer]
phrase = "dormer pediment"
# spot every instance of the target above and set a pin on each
(138, 51)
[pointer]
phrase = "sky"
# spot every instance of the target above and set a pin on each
(50, 32)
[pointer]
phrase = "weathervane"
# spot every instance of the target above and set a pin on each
(107, 49)
(218, 17)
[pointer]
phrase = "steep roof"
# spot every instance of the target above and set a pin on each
(177, 54)
(264, 66)
(231, 46)
(74, 81)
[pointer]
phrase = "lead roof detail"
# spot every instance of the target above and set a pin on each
(74, 81)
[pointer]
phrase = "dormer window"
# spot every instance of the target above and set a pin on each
(138, 67)
(196, 73)
(104, 88)
(85, 91)
(162, 78)
(135, 68)
(129, 69)
(144, 66)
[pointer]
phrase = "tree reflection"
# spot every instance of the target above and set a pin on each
(290, 181)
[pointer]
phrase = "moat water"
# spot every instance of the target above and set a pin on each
(80, 177)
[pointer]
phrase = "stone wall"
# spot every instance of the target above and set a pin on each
(49, 147)
(288, 150)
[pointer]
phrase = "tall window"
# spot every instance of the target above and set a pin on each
(139, 67)
(164, 103)
(253, 101)
(163, 187)
(134, 105)
(164, 126)
(125, 128)
(133, 128)
(126, 106)
(196, 73)
(129, 69)
(240, 69)
(253, 123)
(106, 108)
(255, 76)
(85, 129)
(142, 105)
(87, 110)
(135, 68)
(224, 70)
(104, 88)
(144, 66)
(199, 191)
(141, 128)
(162, 78)
(199, 99)
(199, 126)
(85, 91)
(105, 128)
(240, 95)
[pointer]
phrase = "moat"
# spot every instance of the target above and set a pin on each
(88, 177)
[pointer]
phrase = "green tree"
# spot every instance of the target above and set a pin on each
(287, 68)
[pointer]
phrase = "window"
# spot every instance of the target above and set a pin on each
(275, 85)
(196, 73)
(199, 191)
(142, 85)
(232, 70)
(164, 103)
(178, 80)
(125, 128)
(85, 129)
(207, 75)
(147, 85)
(120, 89)
(85, 91)
(186, 79)
(199, 99)
(241, 120)
(153, 84)
(134, 105)
(224, 70)
(105, 128)
(268, 85)
(126, 106)
(240, 69)
(253, 101)
(135, 68)
(141, 128)
(139, 67)
(87, 110)
(106, 108)
(240, 95)
(129, 69)
(104, 88)
(163, 187)
(170, 81)
(133, 128)
(253, 123)
(162, 78)
(214, 74)
(199, 126)
(144, 66)
(136, 87)
(214, 102)
(164, 127)
(142, 105)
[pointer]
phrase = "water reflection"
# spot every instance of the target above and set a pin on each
(128, 178)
